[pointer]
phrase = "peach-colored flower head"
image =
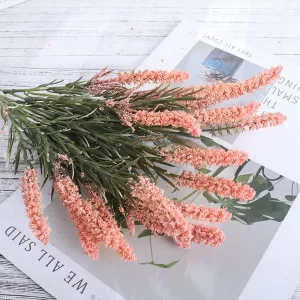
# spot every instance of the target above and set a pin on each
(157, 212)
(212, 94)
(207, 235)
(262, 121)
(114, 237)
(203, 213)
(33, 202)
(81, 213)
(101, 76)
(226, 115)
(197, 157)
(99, 84)
(175, 119)
(123, 109)
(63, 158)
(130, 222)
(143, 77)
(94, 221)
(5, 112)
(221, 186)
(97, 89)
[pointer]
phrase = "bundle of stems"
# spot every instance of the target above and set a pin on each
(112, 139)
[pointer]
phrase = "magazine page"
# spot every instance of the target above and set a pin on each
(211, 57)
(199, 55)
(257, 235)
(53, 270)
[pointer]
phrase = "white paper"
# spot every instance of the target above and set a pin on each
(8, 3)
(46, 265)
(275, 148)
(257, 261)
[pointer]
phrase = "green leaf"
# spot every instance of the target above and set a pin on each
(262, 209)
(188, 196)
(239, 169)
(17, 159)
(52, 193)
(218, 171)
(252, 212)
(146, 232)
(208, 142)
(243, 178)
(147, 263)
(278, 210)
(290, 197)
(209, 197)
(260, 184)
(164, 266)
(124, 224)
(45, 181)
(204, 170)
(261, 204)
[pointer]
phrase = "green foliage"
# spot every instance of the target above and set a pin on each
(262, 208)
(290, 197)
(204, 170)
(244, 178)
(50, 119)
(146, 232)
(227, 129)
(210, 198)
(164, 266)
(54, 119)
(260, 184)
(208, 142)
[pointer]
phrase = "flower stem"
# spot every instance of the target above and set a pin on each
(151, 250)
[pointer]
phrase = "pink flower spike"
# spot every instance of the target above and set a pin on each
(207, 235)
(175, 119)
(100, 76)
(130, 222)
(212, 94)
(196, 157)
(143, 77)
(226, 115)
(203, 213)
(89, 246)
(83, 215)
(64, 158)
(113, 236)
(221, 186)
(262, 121)
(96, 89)
(158, 213)
(33, 202)
(99, 84)
(94, 221)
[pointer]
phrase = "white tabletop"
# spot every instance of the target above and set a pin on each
(65, 39)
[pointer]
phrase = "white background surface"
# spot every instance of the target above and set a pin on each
(66, 39)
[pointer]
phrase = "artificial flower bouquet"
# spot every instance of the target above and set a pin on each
(106, 142)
